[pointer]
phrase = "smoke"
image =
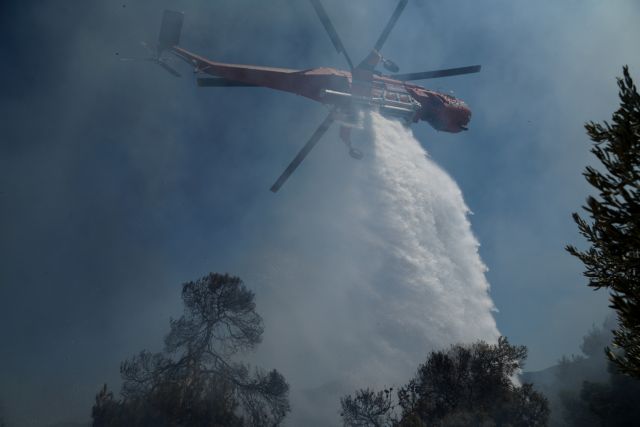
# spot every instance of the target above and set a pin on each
(362, 283)
(563, 383)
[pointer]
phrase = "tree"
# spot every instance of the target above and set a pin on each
(193, 382)
(2, 423)
(368, 408)
(615, 402)
(590, 390)
(465, 385)
(613, 259)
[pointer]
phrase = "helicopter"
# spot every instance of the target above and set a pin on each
(346, 93)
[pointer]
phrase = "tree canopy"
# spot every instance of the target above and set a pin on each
(368, 408)
(613, 258)
(194, 382)
(465, 385)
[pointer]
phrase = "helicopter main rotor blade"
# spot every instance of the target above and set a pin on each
(392, 22)
(303, 152)
(221, 82)
(152, 51)
(168, 68)
(437, 73)
(131, 59)
(333, 35)
(155, 60)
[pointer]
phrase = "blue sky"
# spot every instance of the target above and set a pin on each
(120, 182)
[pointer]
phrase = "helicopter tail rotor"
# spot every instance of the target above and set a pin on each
(169, 37)
(170, 30)
(155, 59)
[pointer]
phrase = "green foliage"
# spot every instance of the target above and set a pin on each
(193, 382)
(613, 259)
(465, 385)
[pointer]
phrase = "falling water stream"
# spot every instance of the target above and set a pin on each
(366, 281)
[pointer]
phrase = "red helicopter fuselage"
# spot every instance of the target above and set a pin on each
(343, 90)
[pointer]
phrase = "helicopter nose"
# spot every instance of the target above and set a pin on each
(466, 118)
(444, 113)
(460, 117)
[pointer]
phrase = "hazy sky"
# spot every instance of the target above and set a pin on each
(119, 182)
